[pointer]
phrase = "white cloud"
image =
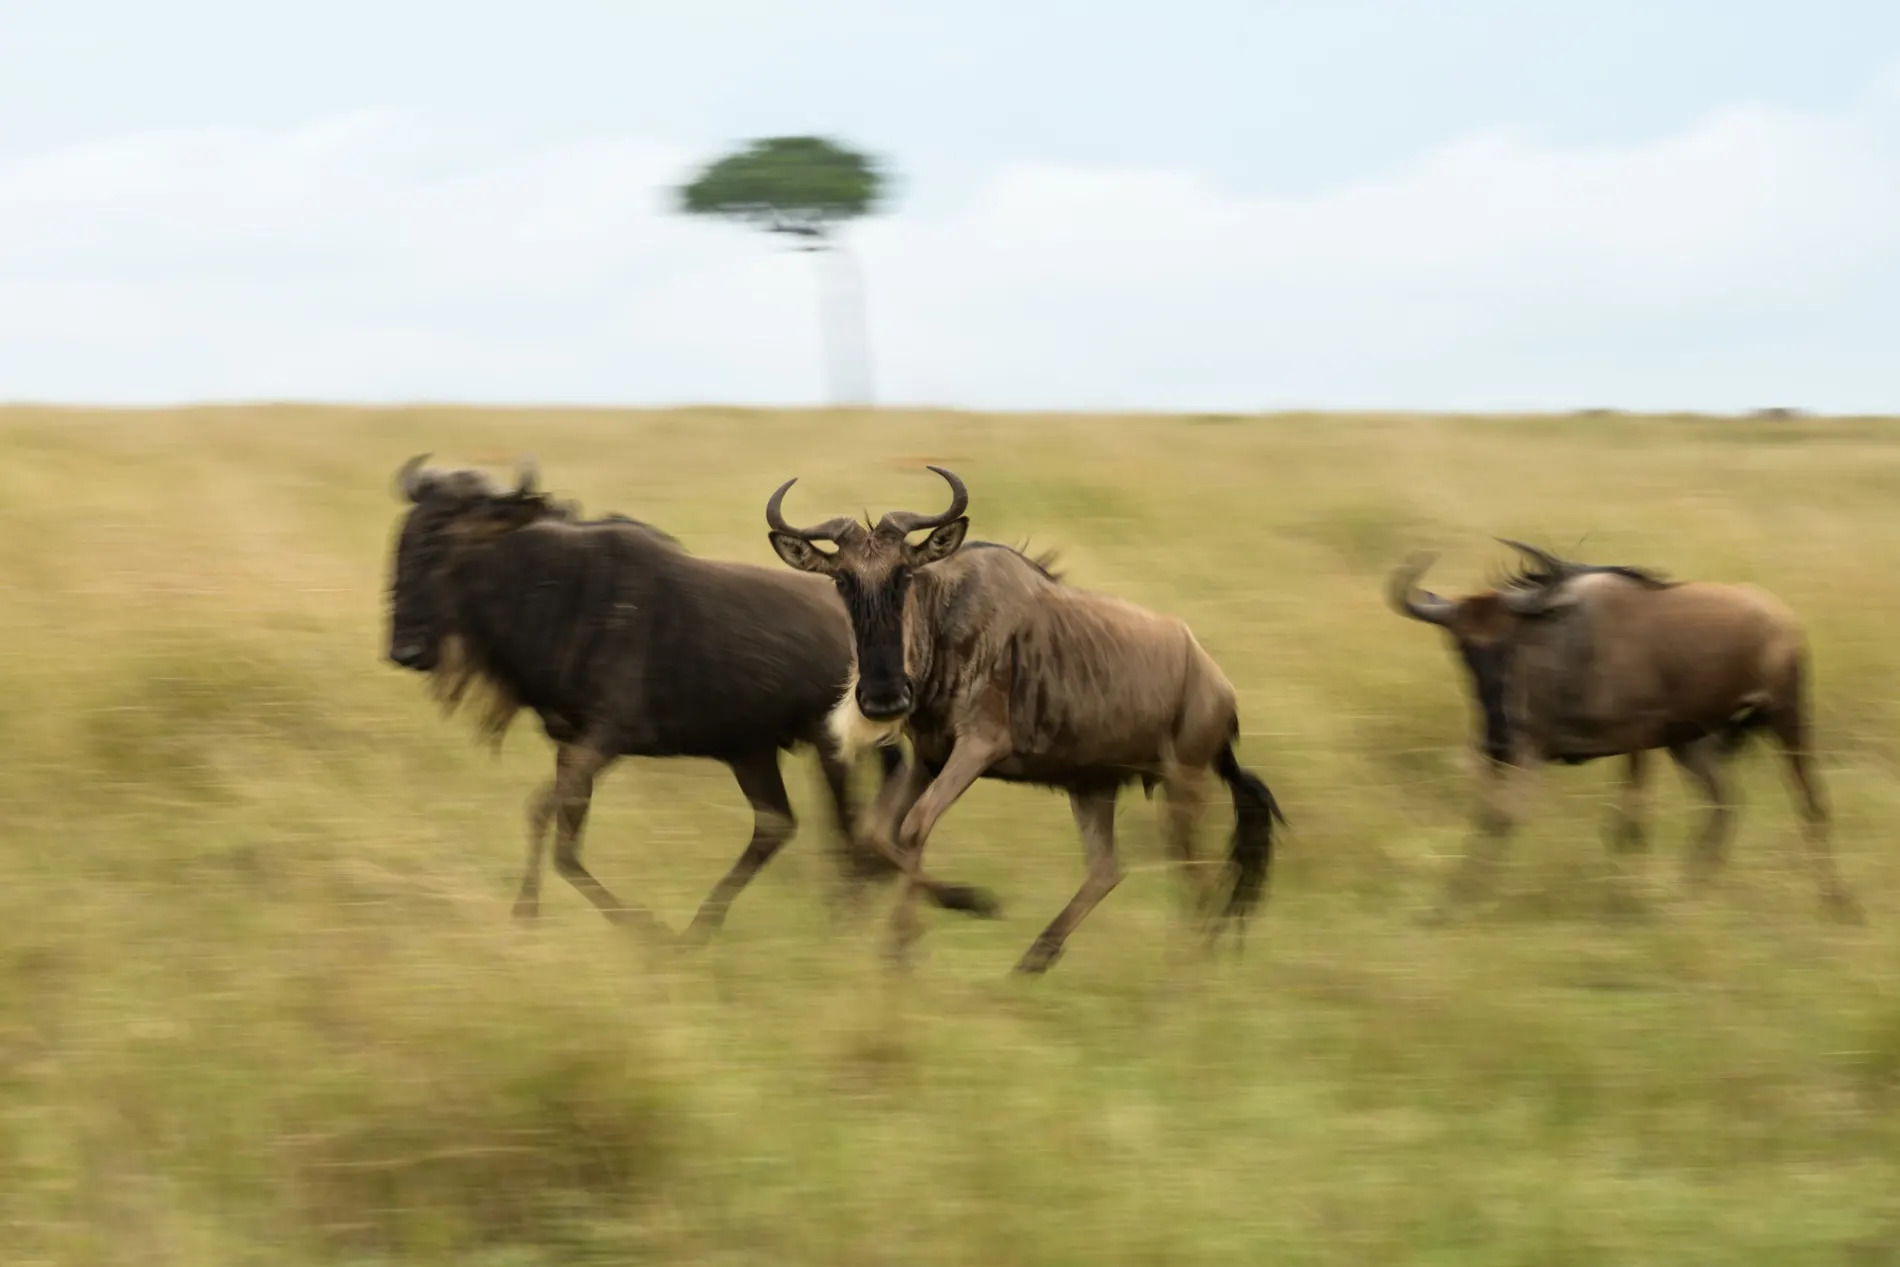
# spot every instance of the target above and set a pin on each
(377, 256)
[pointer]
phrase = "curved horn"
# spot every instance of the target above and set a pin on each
(908, 521)
(831, 530)
(408, 487)
(1425, 605)
(1549, 562)
(527, 476)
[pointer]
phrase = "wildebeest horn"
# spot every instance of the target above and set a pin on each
(408, 487)
(527, 476)
(1424, 605)
(830, 530)
(908, 521)
(1555, 566)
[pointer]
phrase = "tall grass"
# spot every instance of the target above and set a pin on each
(261, 1000)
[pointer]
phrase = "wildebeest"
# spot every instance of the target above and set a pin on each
(623, 644)
(1570, 662)
(996, 668)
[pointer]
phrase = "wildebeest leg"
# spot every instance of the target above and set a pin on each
(857, 860)
(772, 825)
(575, 769)
(541, 810)
(974, 753)
(1699, 759)
(1811, 805)
(1629, 835)
(1630, 832)
(1095, 815)
(1186, 794)
(894, 801)
(1500, 804)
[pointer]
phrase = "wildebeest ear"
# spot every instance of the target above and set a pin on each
(801, 553)
(941, 543)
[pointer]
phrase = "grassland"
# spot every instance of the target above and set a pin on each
(261, 1000)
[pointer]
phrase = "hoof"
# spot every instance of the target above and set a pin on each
(527, 909)
(1038, 959)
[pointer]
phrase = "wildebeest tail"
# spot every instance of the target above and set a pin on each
(1251, 854)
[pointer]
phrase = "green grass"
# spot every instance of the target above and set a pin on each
(262, 1002)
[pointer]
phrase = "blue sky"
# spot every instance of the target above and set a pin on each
(1205, 205)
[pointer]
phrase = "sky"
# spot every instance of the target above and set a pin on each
(1212, 205)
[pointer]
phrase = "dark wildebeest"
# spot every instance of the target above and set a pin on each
(623, 644)
(1571, 662)
(997, 669)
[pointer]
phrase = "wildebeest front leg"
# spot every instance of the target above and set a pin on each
(575, 769)
(541, 811)
(772, 825)
(1507, 785)
(974, 753)
(857, 859)
(1095, 815)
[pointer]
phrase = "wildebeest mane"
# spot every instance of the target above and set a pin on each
(1044, 562)
(1527, 577)
(569, 512)
(528, 612)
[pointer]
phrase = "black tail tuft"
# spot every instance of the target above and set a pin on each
(1251, 855)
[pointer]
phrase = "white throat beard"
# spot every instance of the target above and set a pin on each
(856, 734)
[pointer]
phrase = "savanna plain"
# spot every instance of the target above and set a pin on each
(262, 1000)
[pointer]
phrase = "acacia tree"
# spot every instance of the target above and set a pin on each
(807, 188)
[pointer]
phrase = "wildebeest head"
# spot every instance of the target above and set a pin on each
(872, 568)
(446, 509)
(1486, 627)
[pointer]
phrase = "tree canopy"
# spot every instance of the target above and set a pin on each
(801, 185)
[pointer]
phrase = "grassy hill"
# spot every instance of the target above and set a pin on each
(261, 999)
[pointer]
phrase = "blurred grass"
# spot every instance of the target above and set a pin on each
(261, 1000)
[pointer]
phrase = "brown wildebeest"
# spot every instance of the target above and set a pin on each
(997, 669)
(1571, 662)
(623, 644)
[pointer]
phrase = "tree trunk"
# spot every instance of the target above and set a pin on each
(846, 325)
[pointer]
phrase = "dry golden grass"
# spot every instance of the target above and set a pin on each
(261, 1000)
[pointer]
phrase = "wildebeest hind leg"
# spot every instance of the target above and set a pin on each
(1095, 815)
(574, 772)
(1699, 760)
(772, 825)
(1812, 807)
(1629, 835)
(1185, 792)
